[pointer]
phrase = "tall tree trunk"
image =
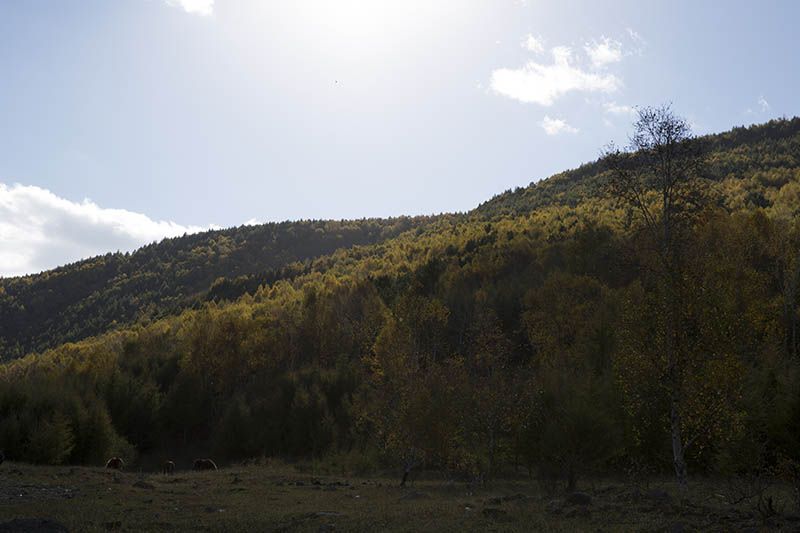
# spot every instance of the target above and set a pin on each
(671, 314)
(408, 466)
(792, 312)
(678, 456)
(677, 451)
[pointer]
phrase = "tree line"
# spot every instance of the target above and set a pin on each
(474, 345)
(520, 352)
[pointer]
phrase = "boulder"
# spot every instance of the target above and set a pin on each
(658, 495)
(415, 495)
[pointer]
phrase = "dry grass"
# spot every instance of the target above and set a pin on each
(278, 498)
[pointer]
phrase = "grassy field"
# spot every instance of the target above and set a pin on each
(279, 498)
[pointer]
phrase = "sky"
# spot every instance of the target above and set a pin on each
(126, 121)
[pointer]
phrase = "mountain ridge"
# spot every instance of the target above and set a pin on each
(98, 294)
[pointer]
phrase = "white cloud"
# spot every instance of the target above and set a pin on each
(763, 106)
(605, 52)
(534, 44)
(200, 7)
(639, 44)
(543, 84)
(39, 230)
(634, 35)
(616, 109)
(554, 126)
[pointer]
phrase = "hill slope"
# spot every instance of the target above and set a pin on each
(470, 343)
(92, 296)
(755, 167)
(752, 164)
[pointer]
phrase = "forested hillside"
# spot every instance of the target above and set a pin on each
(755, 167)
(93, 296)
(752, 166)
(519, 336)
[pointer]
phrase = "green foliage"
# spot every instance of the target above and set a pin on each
(572, 434)
(50, 439)
(51, 421)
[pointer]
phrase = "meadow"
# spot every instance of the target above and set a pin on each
(278, 497)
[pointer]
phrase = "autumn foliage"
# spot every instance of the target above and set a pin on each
(520, 336)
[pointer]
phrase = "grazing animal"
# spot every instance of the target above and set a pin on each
(116, 463)
(204, 464)
(169, 467)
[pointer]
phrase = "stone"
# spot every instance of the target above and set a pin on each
(579, 498)
(494, 513)
(415, 495)
(658, 495)
(553, 506)
(677, 527)
(581, 512)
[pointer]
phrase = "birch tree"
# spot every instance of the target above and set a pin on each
(658, 176)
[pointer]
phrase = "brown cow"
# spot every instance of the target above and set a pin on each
(204, 464)
(169, 467)
(115, 463)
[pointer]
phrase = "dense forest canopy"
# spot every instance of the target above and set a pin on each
(755, 167)
(70, 303)
(519, 335)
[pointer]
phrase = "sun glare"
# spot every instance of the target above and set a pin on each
(351, 19)
(362, 26)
